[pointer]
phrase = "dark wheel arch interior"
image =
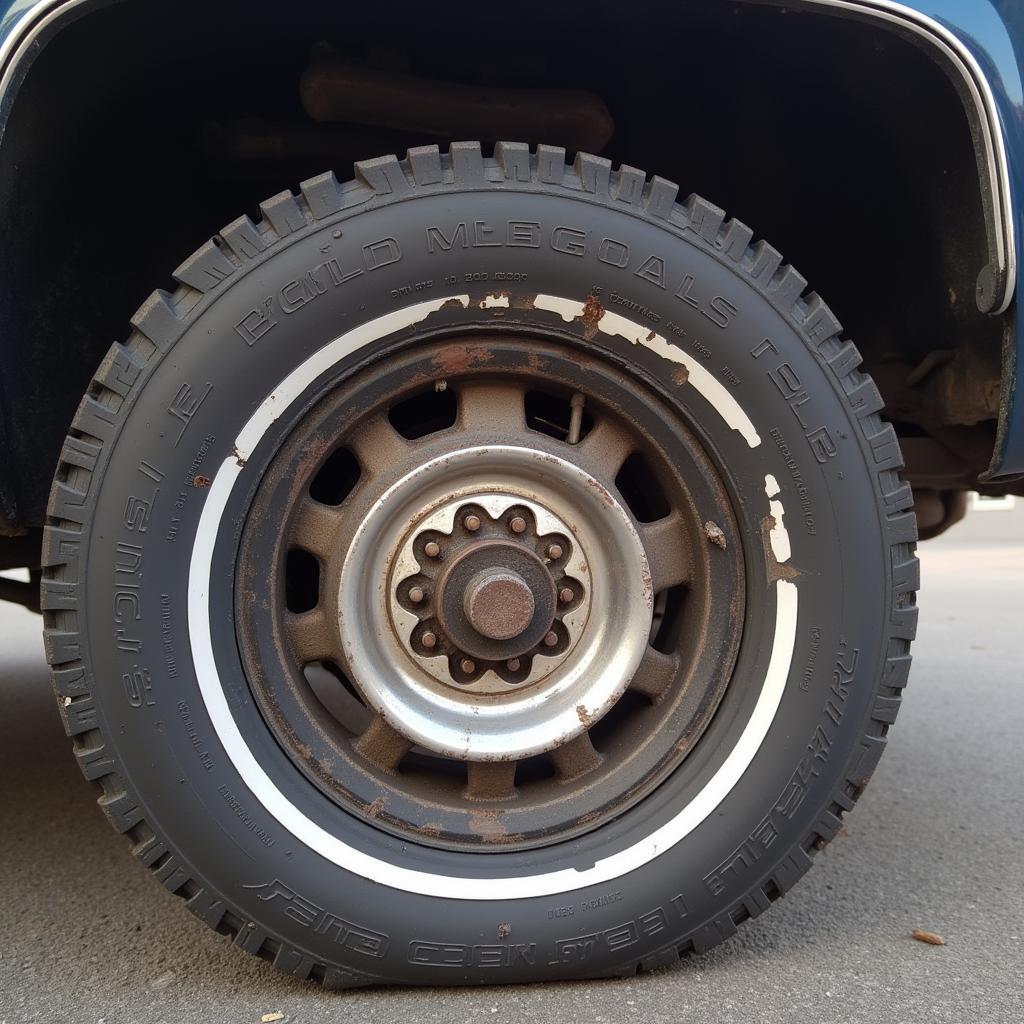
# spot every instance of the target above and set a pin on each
(116, 163)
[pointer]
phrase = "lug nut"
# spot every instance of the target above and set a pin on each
(565, 595)
(471, 523)
(431, 549)
(416, 595)
(517, 524)
(551, 639)
(512, 664)
(429, 640)
(468, 666)
(554, 552)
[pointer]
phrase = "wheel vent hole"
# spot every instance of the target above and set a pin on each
(617, 723)
(425, 413)
(301, 581)
(339, 697)
(336, 479)
(534, 769)
(434, 769)
(641, 490)
(667, 626)
(551, 414)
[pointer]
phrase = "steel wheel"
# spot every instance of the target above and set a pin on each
(493, 615)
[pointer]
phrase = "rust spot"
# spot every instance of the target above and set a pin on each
(376, 807)
(647, 578)
(535, 361)
(714, 533)
(680, 375)
(201, 481)
(591, 316)
(238, 457)
(504, 930)
(456, 359)
(601, 490)
(487, 825)
(522, 300)
(431, 829)
(776, 570)
(585, 717)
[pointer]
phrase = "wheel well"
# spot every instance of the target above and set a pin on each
(141, 129)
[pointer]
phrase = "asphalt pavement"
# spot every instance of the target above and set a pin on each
(937, 842)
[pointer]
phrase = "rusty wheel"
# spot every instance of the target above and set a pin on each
(477, 600)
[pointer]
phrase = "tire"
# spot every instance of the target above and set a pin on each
(511, 266)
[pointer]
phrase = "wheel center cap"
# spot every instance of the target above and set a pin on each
(489, 593)
(499, 604)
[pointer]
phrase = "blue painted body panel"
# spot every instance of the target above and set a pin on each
(10, 14)
(993, 31)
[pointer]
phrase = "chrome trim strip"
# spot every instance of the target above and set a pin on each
(39, 16)
(24, 33)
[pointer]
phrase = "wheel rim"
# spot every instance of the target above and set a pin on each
(451, 718)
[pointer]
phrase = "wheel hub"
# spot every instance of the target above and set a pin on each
(495, 602)
(499, 604)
